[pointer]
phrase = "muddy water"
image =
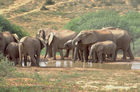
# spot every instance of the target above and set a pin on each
(71, 64)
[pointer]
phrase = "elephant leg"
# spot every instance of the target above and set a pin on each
(75, 54)
(67, 53)
(95, 57)
(79, 55)
(104, 57)
(86, 54)
(25, 60)
(50, 54)
(46, 51)
(54, 53)
(115, 56)
(38, 58)
(130, 53)
(124, 54)
(100, 57)
(82, 55)
(61, 54)
(33, 59)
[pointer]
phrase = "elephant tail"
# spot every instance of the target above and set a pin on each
(20, 48)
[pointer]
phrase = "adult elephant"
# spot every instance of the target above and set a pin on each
(31, 46)
(58, 39)
(44, 33)
(5, 39)
(90, 37)
(123, 39)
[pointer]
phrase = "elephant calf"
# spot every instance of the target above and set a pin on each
(101, 49)
(12, 52)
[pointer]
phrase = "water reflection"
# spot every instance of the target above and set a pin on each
(58, 64)
(65, 63)
(135, 65)
(71, 64)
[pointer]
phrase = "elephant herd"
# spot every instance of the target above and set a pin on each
(88, 45)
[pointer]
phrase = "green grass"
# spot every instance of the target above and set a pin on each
(6, 25)
(130, 21)
(100, 19)
(76, 80)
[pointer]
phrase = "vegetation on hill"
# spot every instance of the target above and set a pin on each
(100, 19)
(96, 20)
(6, 25)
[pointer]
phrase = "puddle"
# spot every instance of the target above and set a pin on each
(135, 66)
(71, 64)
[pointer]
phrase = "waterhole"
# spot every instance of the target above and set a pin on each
(71, 64)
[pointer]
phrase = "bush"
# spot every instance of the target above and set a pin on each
(97, 20)
(49, 2)
(6, 25)
(6, 69)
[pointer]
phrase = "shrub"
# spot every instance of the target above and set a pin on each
(49, 2)
(6, 25)
(100, 19)
(6, 69)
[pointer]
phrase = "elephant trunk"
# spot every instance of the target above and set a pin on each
(20, 47)
(46, 51)
(75, 41)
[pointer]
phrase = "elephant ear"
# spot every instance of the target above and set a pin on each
(51, 36)
(90, 38)
(16, 38)
(42, 41)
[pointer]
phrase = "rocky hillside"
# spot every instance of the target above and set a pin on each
(35, 14)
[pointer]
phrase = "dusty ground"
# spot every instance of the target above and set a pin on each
(77, 79)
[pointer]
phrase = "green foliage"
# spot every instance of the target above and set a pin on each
(49, 2)
(137, 48)
(6, 25)
(97, 20)
(6, 69)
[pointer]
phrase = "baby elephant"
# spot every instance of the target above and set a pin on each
(101, 49)
(12, 52)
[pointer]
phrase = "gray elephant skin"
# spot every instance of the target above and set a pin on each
(102, 49)
(123, 39)
(58, 39)
(12, 52)
(31, 46)
(89, 37)
(5, 39)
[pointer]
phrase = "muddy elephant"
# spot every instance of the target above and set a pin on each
(58, 39)
(90, 37)
(123, 39)
(102, 49)
(5, 39)
(12, 52)
(31, 46)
